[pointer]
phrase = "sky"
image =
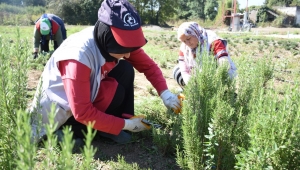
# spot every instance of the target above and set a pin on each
(243, 3)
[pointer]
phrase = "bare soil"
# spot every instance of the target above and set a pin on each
(141, 151)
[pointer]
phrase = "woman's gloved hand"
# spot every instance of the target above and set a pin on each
(135, 124)
(224, 61)
(172, 101)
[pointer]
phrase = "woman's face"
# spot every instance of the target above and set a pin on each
(119, 56)
(189, 40)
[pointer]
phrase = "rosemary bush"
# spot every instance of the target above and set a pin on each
(207, 109)
(274, 132)
(17, 150)
(217, 116)
(13, 83)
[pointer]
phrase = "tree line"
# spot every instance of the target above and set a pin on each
(158, 12)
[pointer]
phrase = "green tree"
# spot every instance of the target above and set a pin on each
(11, 2)
(190, 9)
(33, 2)
(155, 11)
(197, 8)
(262, 14)
(183, 10)
(280, 2)
(140, 6)
(82, 12)
(295, 3)
(165, 11)
(210, 9)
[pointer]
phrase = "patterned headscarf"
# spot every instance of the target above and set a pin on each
(192, 29)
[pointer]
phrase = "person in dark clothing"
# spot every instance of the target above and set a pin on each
(48, 27)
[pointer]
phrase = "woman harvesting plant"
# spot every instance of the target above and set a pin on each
(195, 40)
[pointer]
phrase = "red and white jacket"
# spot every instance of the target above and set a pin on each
(213, 43)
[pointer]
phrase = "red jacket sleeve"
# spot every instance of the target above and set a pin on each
(76, 80)
(219, 48)
(144, 64)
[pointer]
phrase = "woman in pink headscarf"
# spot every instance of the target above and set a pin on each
(194, 41)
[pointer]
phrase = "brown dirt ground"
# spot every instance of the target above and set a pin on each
(142, 151)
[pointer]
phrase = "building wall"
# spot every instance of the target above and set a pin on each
(287, 10)
(252, 15)
(297, 18)
(292, 11)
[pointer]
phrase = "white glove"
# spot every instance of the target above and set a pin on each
(134, 124)
(224, 61)
(171, 100)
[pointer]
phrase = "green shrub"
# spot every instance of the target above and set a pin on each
(26, 151)
(203, 94)
(274, 133)
(13, 92)
(278, 22)
(215, 120)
